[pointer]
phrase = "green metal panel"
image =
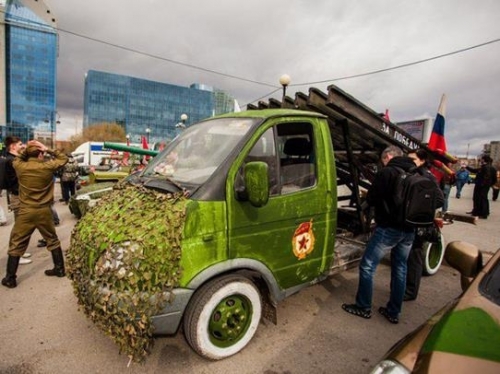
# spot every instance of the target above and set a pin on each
(204, 239)
(469, 332)
(293, 233)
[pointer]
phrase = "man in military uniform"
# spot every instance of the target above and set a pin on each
(36, 193)
(14, 147)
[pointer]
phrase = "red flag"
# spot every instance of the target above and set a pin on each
(386, 115)
(437, 140)
(144, 142)
(126, 155)
(145, 146)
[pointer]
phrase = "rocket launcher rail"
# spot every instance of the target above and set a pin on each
(130, 149)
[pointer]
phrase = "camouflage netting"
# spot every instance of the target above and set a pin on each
(124, 260)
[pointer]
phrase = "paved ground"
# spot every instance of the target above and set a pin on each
(42, 331)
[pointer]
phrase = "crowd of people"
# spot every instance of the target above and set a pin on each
(404, 242)
(29, 183)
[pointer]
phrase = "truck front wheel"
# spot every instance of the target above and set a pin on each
(222, 317)
(434, 254)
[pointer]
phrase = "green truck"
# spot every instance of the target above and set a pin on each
(234, 215)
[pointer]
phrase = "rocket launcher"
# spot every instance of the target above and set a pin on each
(448, 157)
(438, 164)
(130, 149)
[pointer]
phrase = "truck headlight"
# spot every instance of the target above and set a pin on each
(389, 367)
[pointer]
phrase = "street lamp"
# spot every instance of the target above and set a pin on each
(52, 121)
(148, 130)
(182, 124)
(284, 81)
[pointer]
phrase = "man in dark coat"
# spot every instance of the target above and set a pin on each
(390, 235)
(486, 177)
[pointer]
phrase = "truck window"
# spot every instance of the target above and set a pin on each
(297, 160)
(264, 150)
(289, 156)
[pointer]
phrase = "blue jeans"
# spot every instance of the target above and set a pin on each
(459, 184)
(446, 193)
(385, 239)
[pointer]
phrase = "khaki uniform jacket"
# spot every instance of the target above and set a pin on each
(36, 179)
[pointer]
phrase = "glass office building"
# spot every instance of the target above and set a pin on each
(28, 60)
(146, 107)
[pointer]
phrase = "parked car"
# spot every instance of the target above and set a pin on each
(464, 336)
(87, 196)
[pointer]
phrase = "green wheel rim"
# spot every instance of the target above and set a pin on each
(229, 321)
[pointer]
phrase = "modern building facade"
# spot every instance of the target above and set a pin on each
(28, 62)
(148, 108)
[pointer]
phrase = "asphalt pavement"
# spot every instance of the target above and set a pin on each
(43, 332)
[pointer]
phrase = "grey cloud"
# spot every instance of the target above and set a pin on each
(310, 41)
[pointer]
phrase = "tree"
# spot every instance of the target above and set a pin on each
(102, 132)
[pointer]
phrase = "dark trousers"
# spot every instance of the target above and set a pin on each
(415, 267)
(27, 220)
(495, 193)
(68, 190)
(481, 205)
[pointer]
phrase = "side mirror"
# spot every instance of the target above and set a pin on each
(257, 183)
(466, 258)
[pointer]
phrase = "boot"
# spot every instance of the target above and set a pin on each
(10, 279)
(58, 258)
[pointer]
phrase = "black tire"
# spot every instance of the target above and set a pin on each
(222, 317)
(433, 256)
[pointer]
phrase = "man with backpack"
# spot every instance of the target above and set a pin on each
(392, 234)
(416, 258)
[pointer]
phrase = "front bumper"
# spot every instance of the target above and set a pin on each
(168, 320)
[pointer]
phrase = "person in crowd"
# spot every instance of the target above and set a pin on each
(496, 187)
(462, 177)
(36, 194)
(3, 217)
(390, 235)
(447, 181)
(486, 177)
(14, 147)
(415, 262)
(69, 176)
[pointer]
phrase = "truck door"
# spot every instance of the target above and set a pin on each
(291, 233)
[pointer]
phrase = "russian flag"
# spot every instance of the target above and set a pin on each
(437, 141)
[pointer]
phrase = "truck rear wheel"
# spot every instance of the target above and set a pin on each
(434, 254)
(222, 317)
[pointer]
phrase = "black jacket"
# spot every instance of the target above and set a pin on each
(381, 193)
(10, 175)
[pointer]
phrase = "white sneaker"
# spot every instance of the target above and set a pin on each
(27, 255)
(25, 261)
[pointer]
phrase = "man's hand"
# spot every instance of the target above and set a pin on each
(37, 144)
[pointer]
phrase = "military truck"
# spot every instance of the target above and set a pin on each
(237, 213)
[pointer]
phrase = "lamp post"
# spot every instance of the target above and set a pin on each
(284, 81)
(52, 119)
(182, 125)
(148, 130)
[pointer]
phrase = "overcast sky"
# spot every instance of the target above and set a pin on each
(310, 40)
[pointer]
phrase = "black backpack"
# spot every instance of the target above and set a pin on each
(416, 198)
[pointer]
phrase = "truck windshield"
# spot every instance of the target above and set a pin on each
(195, 154)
